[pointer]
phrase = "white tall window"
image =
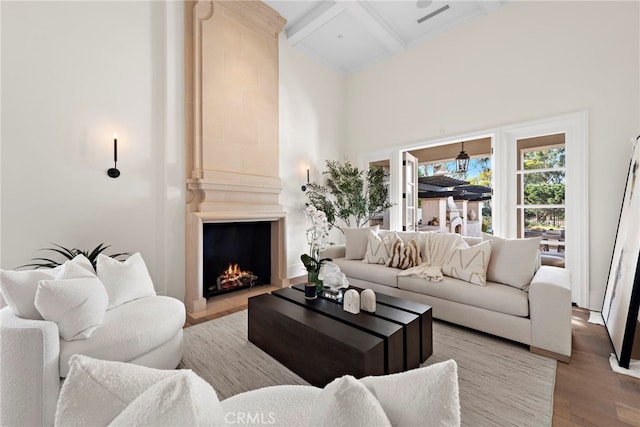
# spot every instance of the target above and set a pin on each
(541, 182)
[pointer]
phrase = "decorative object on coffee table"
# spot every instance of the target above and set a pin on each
(334, 281)
(316, 237)
(351, 302)
(368, 301)
(310, 291)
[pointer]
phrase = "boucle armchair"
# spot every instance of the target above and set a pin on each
(133, 395)
(145, 329)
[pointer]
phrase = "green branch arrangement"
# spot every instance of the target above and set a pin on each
(351, 197)
(68, 254)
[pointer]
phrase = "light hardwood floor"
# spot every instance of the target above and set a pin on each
(587, 391)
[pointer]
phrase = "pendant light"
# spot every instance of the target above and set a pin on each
(462, 161)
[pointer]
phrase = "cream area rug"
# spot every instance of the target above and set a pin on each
(501, 383)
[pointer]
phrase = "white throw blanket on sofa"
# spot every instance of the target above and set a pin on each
(435, 249)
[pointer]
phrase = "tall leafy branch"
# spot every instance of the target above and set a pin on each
(350, 197)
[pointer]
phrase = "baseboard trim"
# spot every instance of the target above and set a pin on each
(559, 357)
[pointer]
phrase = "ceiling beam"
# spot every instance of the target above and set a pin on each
(360, 10)
(489, 6)
(372, 20)
(312, 20)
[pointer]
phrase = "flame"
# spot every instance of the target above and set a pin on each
(233, 269)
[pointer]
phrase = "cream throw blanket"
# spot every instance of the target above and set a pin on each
(435, 249)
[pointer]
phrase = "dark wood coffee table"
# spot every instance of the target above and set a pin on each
(320, 341)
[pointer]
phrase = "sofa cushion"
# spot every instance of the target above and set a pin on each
(356, 241)
(378, 248)
(493, 296)
(124, 280)
(469, 264)
(513, 261)
(129, 331)
(346, 402)
(375, 273)
(403, 255)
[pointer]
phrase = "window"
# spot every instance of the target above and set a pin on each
(541, 182)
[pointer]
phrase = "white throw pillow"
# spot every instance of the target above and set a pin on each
(19, 287)
(469, 264)
(419, 397)
(379, 249)
(346, 402)
(77, 306)
(356, 241)
(126, 280)
(96, 391)
(513, 261)
(184, 399)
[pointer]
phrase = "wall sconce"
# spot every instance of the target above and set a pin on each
(462, 161)
(114, 172)
(304, 187)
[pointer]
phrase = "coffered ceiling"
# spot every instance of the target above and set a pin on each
(352, 34)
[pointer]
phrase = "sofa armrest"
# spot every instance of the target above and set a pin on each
(334, 251)
(29, 370)
(550, 309)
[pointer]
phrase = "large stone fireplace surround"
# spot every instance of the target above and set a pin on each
(231, 129)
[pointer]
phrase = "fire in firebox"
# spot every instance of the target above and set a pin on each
(233, 277)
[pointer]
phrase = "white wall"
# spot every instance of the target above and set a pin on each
(312, 123)
(73, 73)
(528, 60)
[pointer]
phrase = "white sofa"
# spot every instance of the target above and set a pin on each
(538, 315)
(34, 358)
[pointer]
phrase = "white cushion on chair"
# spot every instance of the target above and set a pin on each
(19, 287)
(77, 306)
(346, 402)
(124, 280)
(129, 331)
(418, 397)
(99, 392)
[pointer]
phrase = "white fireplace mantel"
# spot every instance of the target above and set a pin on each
(231, 128)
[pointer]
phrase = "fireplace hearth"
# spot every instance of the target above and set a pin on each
(236, 256)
